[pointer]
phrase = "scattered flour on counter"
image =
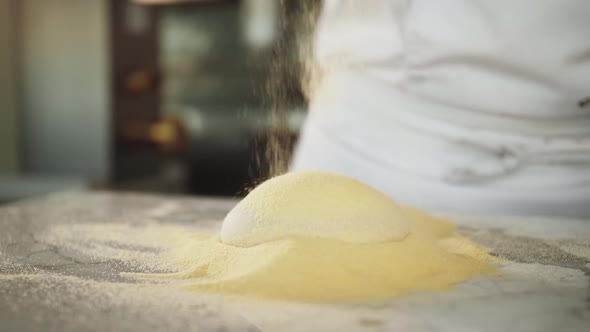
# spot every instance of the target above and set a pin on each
(316, 236)
(68, 303)
(310, 252)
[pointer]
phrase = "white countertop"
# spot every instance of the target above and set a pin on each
(545, 286)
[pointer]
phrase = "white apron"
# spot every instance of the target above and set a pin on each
(470, 106)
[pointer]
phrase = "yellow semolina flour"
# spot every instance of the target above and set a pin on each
(315, 236)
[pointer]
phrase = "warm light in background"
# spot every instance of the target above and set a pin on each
(115, 94)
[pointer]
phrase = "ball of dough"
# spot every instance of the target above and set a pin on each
(314, 204)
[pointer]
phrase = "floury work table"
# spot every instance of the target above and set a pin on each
(49, 284)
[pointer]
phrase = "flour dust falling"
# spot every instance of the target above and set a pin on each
(288, 82)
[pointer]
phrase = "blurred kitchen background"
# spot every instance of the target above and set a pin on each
(153, 95)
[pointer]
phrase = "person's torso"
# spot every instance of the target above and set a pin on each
(488, 97)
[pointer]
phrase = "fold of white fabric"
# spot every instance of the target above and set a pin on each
(456, 105)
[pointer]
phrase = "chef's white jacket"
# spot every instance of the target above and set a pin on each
(471, 106)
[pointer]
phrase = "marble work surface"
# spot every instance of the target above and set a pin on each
(44, 286)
